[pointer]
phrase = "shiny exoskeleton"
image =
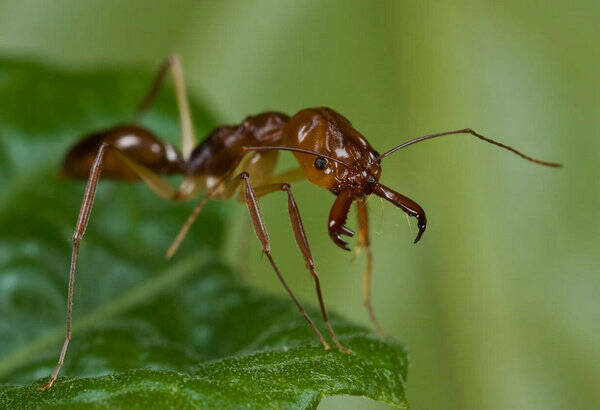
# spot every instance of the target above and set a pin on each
(241, 159)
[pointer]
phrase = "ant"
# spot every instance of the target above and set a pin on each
(331, 154)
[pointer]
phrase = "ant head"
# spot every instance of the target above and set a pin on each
(337, 157)
(347, 161)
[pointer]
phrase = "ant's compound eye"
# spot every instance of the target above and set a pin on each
(320, 163)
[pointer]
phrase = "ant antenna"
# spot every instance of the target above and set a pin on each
(468, 131)
(304, 151)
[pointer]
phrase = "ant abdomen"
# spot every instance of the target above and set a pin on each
(133, 141)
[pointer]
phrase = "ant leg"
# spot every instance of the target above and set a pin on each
(173, 62)
(216, 192)
(275, 183)
(185, 228)
(364, 243)
(154, 181)
(259, 164)
(82, 221)
(263, 237)
(224, 189)
(302, 242)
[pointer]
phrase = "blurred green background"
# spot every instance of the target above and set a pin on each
(499, 304)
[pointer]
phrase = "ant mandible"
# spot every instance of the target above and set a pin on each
(331, 154)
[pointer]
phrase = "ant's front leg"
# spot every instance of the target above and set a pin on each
(263, 237)
(305, 249)
(302, 241)
(82, 221)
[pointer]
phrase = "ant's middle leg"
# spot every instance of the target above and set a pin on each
(260, 165)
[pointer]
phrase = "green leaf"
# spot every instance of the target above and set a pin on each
(147, 333)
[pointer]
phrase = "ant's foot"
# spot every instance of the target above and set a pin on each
(344, 349)
(47, 385)
(382, 332)
(340, 347)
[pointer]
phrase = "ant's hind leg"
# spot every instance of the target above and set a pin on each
(82, 221)
(153, 180)
(263, 237)
(363, 242)
(173, 63)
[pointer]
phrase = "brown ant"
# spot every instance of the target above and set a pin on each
(331, 154)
